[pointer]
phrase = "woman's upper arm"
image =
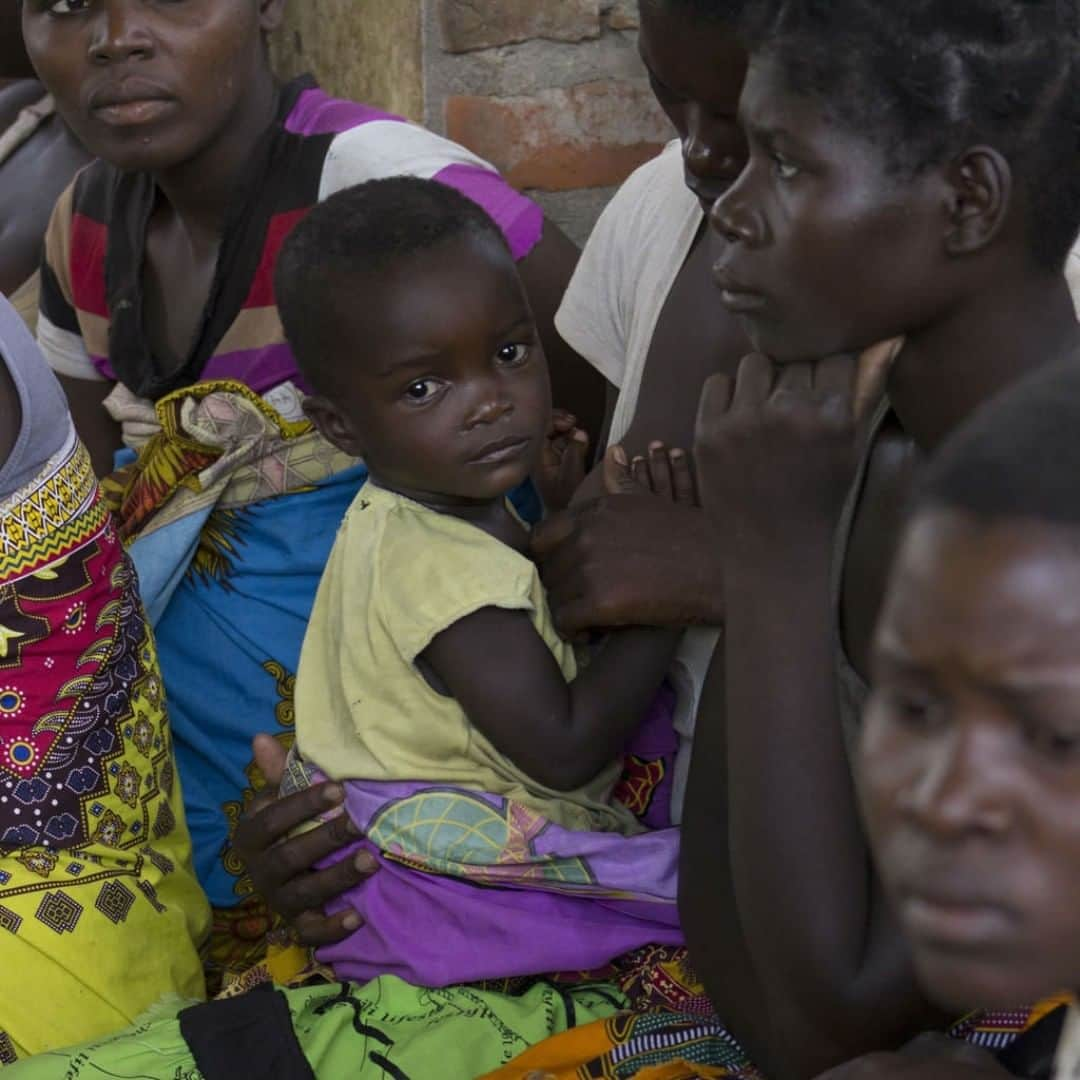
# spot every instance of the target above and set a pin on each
(97, 429)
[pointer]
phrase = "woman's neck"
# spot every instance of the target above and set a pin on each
(199, 191)
(947, 369)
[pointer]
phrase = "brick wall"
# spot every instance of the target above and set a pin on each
(550, 91)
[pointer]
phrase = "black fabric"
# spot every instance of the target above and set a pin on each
(283, 174)
(250, 1036)
(1032, 1054)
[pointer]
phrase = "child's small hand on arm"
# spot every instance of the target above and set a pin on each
(564, 461)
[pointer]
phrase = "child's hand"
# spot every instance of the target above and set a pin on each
(666, 473)
(563, 462)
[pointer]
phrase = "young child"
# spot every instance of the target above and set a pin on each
(431, 676)
(969, 760)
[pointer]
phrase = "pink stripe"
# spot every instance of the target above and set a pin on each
(316, 113)
(520, 219)
(101, 363)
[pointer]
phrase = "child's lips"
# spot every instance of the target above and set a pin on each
(513, 446)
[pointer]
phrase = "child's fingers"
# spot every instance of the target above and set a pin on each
(682, 478)
(562, 422)
(618, 473)
(573, 463)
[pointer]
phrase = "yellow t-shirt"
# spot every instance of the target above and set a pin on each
(398, 575)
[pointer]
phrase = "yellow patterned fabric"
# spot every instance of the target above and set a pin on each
(100, 912)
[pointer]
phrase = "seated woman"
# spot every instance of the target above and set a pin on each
(473, 748)
(158, 310)
(38, 158)
(99, 905)
(967, 765)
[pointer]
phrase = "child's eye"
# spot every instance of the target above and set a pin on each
(422, 391)
(512, 355)
(1055, 744)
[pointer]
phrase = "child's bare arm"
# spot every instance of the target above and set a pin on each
(504, 676)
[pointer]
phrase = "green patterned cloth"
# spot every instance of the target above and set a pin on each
(384, 1029)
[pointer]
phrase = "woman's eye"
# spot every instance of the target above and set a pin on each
(911, 709)
(1056, 744)
(422, 390)
(512, 355)
(784, 169)
(68, 7)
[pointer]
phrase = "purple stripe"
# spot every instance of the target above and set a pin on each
(104, 367)
(316, 113)
(520, 219)
(259, 369)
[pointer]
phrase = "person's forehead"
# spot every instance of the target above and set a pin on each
(1006, 591)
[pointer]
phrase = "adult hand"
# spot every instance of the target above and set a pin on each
(619, 561)
(929, 1057)
(779, 443)
(282, 867)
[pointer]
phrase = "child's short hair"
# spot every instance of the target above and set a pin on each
(1017, 457)
(358, 232)
(928, 78)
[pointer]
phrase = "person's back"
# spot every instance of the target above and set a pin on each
(38, 157)
(101, 909)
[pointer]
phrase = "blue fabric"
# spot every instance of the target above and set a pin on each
(215, 640)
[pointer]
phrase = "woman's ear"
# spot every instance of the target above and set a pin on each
(980, 184)
(333, 425)
(271, 14)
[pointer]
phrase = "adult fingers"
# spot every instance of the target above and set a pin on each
(314, 929)
(264, 825)
(754, 381)
(794, 379)
(313, 890)
(835, 376)
(660, 470)
(618, 479)
(270, 756)
(684, 490)
(550, 533)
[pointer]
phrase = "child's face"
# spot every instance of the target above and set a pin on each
(151, 86)
(969, 766)
(447, 393)
(827, 252)
(696, 69)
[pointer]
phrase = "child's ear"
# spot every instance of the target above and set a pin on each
(333, 425)
(271, 14)
(980, 194)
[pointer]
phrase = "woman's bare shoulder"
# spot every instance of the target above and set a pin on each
(16, 96)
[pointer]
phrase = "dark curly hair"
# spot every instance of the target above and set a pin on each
(359, 233)
(928, 78)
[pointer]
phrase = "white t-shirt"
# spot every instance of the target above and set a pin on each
(609, 315)
(1067, 1058)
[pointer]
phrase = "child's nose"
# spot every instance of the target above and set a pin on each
(492, 408)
